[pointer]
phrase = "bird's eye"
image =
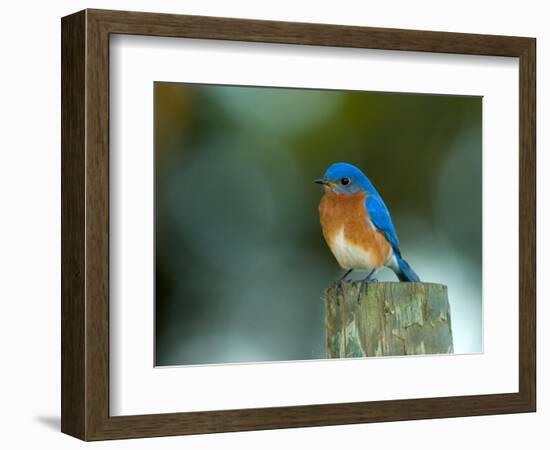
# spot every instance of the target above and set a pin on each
(344, 181)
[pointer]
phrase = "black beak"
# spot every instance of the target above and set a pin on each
(320, 181)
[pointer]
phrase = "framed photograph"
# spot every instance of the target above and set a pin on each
(271, 224)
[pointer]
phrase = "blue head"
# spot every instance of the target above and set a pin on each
(344, 178)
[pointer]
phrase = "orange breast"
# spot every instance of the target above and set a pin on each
(350, 235)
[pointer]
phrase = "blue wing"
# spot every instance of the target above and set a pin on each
(381, 219)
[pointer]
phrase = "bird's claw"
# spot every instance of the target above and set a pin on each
(343, 277)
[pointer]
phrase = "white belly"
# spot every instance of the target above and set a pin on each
(348, 255)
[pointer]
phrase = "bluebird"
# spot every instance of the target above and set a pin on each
(357, 225)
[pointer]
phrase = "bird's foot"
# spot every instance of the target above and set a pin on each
(370, 277)
(343, 277)
(367, 281)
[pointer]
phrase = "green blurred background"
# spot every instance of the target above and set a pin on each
(240, 259)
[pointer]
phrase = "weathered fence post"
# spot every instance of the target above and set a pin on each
(387, 319)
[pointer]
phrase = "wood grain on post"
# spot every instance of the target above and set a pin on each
(387, 319)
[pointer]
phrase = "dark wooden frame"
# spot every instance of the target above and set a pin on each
(85, 224)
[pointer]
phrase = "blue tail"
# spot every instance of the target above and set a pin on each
(404, 271)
